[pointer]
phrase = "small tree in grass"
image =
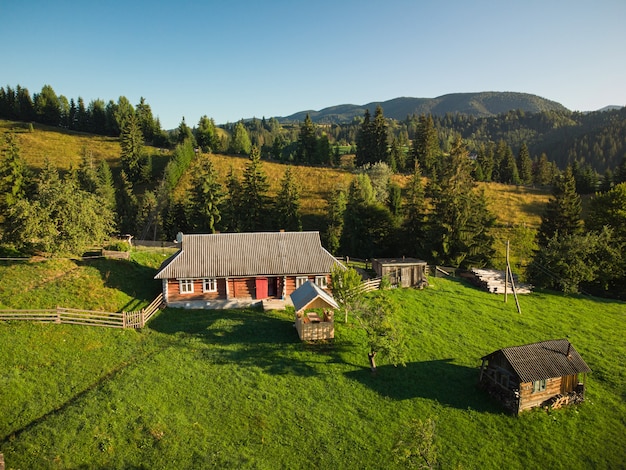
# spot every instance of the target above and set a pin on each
(376, 317)
(416, 447)
(345, 284)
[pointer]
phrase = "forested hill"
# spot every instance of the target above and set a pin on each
(483, 104)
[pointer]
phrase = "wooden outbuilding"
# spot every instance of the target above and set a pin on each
(538, 374)
(230, 270)
(310, 326)
(402, 272)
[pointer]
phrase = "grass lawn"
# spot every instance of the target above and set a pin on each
(237, 389)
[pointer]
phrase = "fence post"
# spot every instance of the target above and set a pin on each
(58, 319)
(124, 320)
(143, 317)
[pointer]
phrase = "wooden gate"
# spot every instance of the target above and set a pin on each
(133, 319)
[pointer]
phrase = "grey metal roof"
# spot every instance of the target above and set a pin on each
(307, 293)
(544, 360)
(248, 254)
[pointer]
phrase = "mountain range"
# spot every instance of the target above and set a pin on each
(481, 104)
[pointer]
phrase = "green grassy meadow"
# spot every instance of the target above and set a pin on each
(237, 389)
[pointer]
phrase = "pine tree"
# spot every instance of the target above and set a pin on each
(562, 213)
(254, 200)
(206, 197)
(288, 204)
(132, 149)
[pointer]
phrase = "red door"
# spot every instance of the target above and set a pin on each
(261, 287)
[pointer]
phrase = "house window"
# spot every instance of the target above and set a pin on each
(301, 280)
(539, 386)
(186, 286)
(320, 281)
(209, 285)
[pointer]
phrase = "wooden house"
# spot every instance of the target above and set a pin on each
(402, 272)
(539, 374)
(230, 270)
(308, 323)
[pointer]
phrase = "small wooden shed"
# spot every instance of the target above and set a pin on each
(538, 374)
(402, 272)
(308, 323)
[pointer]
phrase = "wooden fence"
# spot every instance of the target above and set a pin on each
(371, 284)
(73, 316)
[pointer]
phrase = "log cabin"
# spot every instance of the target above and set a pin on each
(231, 270)
(538, 374)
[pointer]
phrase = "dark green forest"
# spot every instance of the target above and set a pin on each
(440, 215)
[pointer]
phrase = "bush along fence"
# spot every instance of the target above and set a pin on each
(137, 319)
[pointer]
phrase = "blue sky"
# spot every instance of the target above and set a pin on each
(233, 60)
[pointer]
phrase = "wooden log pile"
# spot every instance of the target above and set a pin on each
(493, 281)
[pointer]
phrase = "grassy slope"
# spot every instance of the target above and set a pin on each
(236, 389)
(511, 205)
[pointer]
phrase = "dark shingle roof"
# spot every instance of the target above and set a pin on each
(248, 254)
(544, 360)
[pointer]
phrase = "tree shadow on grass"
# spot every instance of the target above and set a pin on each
(249, 338)
(439, 380)
(135, 280)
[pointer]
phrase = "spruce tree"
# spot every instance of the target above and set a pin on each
(132, 148)
(460, 221)
(127, 206)
(380, 137)
(206, 135)
(524, 165)
(254, 200)
(415, 215)
(14, 175)
(364, 141)
(240, 142)
(562, 213)
(334, 226)
(426, 149)
(232, 204)
(307, 142)
(206, 197)
(288, 204)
